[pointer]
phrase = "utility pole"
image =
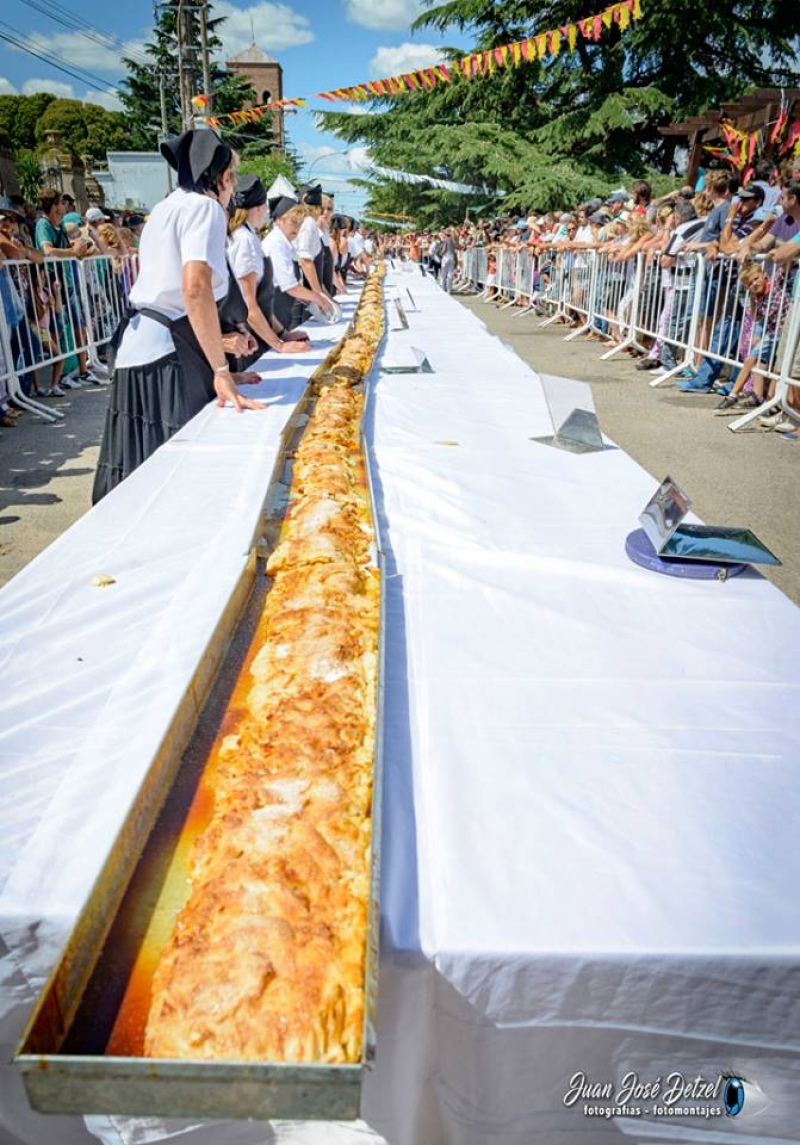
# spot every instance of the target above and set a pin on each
(185, 35)
(206, 62)
(162, 95)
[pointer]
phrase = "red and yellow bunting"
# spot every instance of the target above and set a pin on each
(742, 148)
(477, 64)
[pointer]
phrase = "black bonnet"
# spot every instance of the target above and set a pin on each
(250, 192)
(198, 156)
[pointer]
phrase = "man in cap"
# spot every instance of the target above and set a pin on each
(616, 202)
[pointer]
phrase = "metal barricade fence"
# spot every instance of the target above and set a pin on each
(506, 275)
(551, 275)
(682, 311)
(528, 281)
(65, 309)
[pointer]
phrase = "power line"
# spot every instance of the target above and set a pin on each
(88, 31)
(56, 62)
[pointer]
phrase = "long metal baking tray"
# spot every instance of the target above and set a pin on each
(62, 1056)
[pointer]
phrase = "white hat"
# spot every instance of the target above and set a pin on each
(94, 215)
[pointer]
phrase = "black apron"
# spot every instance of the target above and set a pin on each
(198, 374)
(327, 270)
(265, 293)
(287, 312)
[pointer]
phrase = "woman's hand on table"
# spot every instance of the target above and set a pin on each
(246, 378)
(295, 347)
(239, 344)
(226, 391)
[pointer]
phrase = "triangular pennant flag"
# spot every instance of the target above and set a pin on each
(488, 63)
(607, 17)
(516, 54)
(504, 54)
(476, 64)
(597, 27)
(572, 36)
(541, 45)
(555, 42)
(586, 27)
(444, 72)
(623, 17)
(466, 66)
(636, 9)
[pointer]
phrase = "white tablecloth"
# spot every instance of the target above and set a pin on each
(590, 831)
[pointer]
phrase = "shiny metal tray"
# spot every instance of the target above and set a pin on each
(63, 1055)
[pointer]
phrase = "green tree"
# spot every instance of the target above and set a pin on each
(29, 174)
(86, 128)
(19, 115)
(554, 130)
(268, 166)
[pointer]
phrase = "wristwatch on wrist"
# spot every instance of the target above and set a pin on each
(225, 369)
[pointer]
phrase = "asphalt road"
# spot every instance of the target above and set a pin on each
(751, 478)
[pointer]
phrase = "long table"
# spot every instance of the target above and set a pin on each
(590, 837)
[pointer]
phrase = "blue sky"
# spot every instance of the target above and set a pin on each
(321, 44)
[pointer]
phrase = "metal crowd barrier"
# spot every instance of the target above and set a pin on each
(54, 311)
(686, 311)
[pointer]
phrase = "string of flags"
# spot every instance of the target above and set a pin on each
(484, 63)
(742, 148)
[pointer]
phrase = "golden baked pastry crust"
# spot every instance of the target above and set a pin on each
(266, 959)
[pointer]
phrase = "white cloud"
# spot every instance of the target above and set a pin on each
(405, 58)
(275, 26)
(394, 14)
(359, 158)
(55, 87)
(97, 54)
(108, 99)
(6, 87)
(352, 109)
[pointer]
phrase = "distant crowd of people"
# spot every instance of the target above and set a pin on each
(750, 239)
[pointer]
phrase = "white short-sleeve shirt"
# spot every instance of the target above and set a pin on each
(245, 254)
(355, 245)
(308, 243)
(184, 227)
(280, 252)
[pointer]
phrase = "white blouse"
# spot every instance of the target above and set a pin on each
(280, 252)
(309, 239)
(245, 254)
(184, 227)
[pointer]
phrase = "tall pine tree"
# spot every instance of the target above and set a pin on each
(580, 122)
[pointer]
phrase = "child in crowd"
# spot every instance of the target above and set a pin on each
(767, 303)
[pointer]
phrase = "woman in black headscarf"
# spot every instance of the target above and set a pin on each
(170, 360)
(252, 270)
(290, 296)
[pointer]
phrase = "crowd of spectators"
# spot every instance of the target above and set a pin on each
(749, 237)
(46, 312)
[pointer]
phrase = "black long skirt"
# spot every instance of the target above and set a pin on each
(147, 405)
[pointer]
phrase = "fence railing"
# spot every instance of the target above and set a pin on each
(686, 311)
(55, 311)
